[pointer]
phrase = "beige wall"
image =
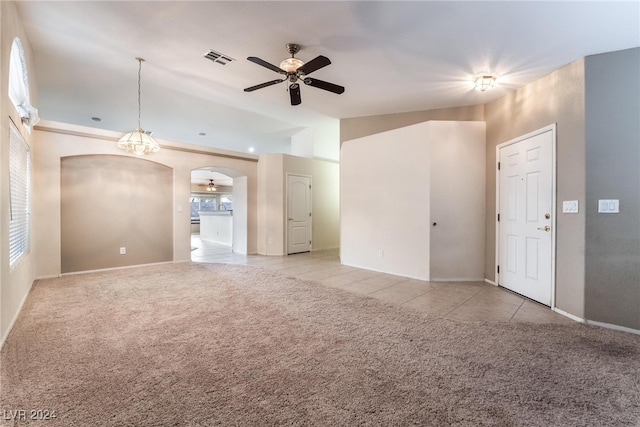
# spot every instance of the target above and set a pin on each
(55, 141)
(14, 284)
(396, 184)
(272, 171)
(110, 202)
(385, 202)
(457, 195)
(557, 98)
(240, 215)
(270, 204)
(325, 198)
(357, 127)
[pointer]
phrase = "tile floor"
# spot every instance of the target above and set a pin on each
(465, 301)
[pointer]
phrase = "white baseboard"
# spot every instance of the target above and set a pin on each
(614, 327)
(13, 321)
(325, 249)
(50, 276)
(491, 282)
(124, 267)
(569, 315)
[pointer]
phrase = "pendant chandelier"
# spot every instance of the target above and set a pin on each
(138, 142)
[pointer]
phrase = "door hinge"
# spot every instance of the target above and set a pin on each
(309, 186)
(498, 165)
(498, 217)
(498, 269)
(309, 241)
(309, 214)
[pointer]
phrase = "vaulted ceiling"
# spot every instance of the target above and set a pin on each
(391, 57)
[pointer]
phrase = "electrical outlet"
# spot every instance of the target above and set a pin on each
(380, 253)
(123, 251)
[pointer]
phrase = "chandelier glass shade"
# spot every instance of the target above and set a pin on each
(138, 142)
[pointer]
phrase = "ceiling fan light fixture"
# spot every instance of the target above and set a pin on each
(484, 82)
(138, 142)
(290, 65)
(211, 187)
(294, 70)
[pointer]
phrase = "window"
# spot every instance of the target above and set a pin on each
(201, 202)
(19, 200)
(226, 203)
(19, 85)
(207, 202)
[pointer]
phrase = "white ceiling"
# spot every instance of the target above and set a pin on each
(391, 57)
(202, 176)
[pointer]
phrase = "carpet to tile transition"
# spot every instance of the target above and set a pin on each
(197, 345)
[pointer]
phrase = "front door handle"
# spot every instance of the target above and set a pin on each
(545, 228)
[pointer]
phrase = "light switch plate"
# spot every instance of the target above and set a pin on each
(570, 206)
(609, 206)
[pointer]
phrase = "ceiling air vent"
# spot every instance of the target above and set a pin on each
(218, 58)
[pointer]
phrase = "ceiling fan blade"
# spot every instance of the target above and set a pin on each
(320, 84)
(265, 84)
(265, 64)
(314, 64)
(294, 92)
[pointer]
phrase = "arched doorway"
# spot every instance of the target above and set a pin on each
(218, 204)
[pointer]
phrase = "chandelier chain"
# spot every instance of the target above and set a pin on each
(139, 91)
(138, 142)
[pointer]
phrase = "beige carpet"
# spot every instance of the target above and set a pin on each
(198, 345)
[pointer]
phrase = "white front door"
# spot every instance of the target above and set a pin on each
(526, 215)
(298, 214)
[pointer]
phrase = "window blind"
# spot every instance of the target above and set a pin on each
(19, 181)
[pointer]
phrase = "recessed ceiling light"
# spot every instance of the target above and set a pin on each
(96, 119)
(202, 134)
(251, 149)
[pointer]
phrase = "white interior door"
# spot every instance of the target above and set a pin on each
(298, 214)
(526, 214)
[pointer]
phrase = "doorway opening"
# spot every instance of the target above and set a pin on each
(218, 206)
(299, 217)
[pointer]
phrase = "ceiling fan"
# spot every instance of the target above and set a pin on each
(293, 70)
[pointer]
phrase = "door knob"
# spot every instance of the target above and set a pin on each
(545, 228)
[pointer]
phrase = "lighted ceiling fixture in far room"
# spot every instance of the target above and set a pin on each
(138, 142)
(484, 82)
(211, 187)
